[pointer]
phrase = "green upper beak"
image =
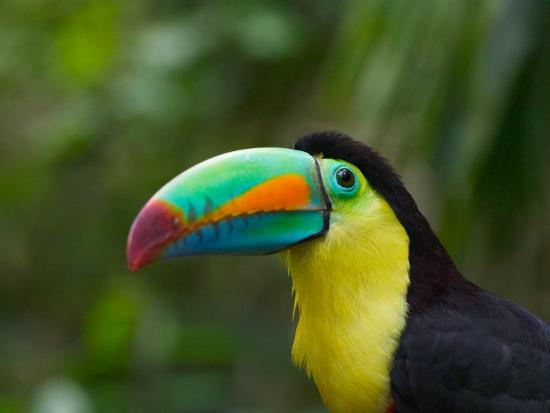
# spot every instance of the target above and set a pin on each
(253, 201)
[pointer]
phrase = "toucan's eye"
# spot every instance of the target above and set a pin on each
(345, 178)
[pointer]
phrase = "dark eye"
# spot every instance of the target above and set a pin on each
(345, 178)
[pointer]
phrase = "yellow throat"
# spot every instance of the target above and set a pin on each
(350, 291)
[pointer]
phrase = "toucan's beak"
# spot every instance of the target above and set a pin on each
(254, 201)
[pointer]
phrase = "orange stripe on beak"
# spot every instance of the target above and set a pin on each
(283, 193)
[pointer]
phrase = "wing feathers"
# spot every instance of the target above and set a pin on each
(457, 361)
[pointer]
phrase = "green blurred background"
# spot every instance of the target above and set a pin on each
(102, 102)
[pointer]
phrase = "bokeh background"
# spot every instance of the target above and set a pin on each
(101, 102)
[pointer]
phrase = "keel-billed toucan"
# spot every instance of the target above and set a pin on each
(386, 321)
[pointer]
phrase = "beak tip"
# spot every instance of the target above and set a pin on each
(133, 253)
(134, 266)
(151, 231)
(132, 258)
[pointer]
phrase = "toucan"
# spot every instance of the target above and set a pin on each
(387, 323)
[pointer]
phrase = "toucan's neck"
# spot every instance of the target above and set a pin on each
(432, 271)
(350, 290)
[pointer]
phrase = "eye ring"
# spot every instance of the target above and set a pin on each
(345, 178)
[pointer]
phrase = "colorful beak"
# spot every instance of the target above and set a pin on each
(254, 201)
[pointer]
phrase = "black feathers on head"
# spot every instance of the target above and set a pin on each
(431, 267)
(379, 173)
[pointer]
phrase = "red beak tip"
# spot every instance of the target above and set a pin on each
(137, 262)
(137, 258)
(152, 229)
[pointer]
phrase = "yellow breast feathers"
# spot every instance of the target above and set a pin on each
(350, 291)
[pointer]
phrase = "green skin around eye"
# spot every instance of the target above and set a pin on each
(343, 199)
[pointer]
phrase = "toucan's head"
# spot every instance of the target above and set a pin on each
(260, 201)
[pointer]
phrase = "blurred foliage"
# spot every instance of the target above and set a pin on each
(102, 102)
